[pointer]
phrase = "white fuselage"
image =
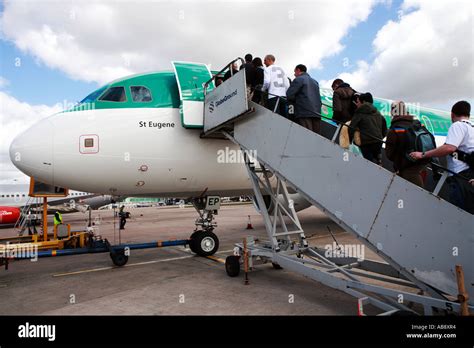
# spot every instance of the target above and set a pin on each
(129, 156)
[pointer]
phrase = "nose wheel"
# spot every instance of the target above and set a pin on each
(204, 243)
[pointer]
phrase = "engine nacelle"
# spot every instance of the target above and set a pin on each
(9, 215)
(299, 202)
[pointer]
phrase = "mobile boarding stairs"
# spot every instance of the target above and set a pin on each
(420, 236)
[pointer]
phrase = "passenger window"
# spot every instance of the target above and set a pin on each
(140, 94)
(115, 94)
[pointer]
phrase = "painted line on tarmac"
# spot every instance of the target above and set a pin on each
(128, 265)
(225, 251)
(213, 258)
(83, 271)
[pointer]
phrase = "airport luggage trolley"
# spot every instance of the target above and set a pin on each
(202, 243)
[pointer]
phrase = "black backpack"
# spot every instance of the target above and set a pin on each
(465, 157)
(418, 139)
(352, 106)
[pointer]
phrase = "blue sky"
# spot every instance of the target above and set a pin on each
(358, 43)
(36, 83)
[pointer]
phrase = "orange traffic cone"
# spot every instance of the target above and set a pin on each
(249, 224)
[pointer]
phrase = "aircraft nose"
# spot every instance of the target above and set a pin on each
(32, 151)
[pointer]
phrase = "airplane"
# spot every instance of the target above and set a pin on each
(14, 197)
(140, 136)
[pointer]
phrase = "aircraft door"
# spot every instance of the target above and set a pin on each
(191, 78)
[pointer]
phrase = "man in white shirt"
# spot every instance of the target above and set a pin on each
(276, 83)
(458, 146)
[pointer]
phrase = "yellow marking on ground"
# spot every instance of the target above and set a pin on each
(217, 259)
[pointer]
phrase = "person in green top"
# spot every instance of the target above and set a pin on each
(58, 218)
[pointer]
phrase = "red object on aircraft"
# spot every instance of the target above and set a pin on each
(9, 215)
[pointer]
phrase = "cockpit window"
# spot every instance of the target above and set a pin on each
(140, 94)
(115, 94)
(93, 96)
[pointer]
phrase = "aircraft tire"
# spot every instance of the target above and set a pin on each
(191, 243)
(204, 243)
(232, 265)
(119, 258)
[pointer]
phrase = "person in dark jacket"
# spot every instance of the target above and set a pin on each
(342, 107)
(396, 147)
(258, 80)
(372, 126)
(249, 75)
(305, 100)
(249, 70)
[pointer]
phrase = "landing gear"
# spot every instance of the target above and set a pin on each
(203, 241)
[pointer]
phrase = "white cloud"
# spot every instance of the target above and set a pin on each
(15, 117)
(102, 40)
(427, 56)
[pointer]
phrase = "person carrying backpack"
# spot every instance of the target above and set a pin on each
(406, 134)
(459, 147)
(372, 126)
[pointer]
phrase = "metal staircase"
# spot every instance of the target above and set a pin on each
(420, 236)
(26, 216)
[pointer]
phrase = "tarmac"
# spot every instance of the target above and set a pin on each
(172, 280)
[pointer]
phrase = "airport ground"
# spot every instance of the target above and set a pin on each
(171, 281)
